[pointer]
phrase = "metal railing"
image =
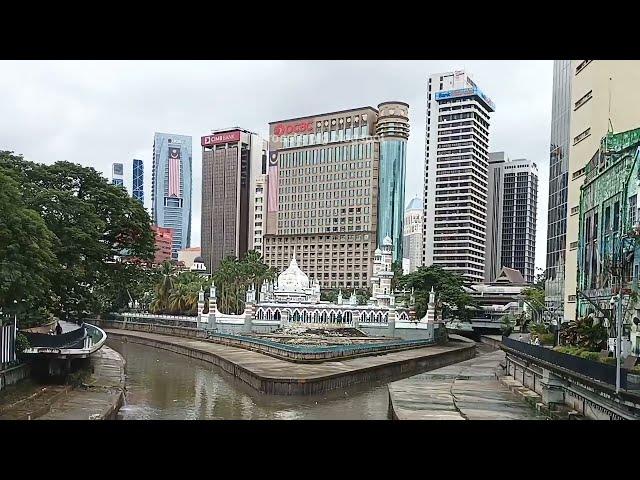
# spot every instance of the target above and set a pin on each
(588, 368)
(72, 339)
(336, 350)
(7, 344)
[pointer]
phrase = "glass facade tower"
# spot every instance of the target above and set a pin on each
(558, 184)
(117, 171)
(138, 180)
(393, 131)
(171, 187)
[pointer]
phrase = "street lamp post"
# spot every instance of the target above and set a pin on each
(619, 340)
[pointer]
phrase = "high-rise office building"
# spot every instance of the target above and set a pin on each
(558, 184)
(137, 189)
(233, 161)
(171, 187)
(604, 97)
(455, 179)
(117, 172)
(392, 130)
(259, 214)
(323, 190)
(412, 249)
(511, 216)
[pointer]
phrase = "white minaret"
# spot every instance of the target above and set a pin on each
(430, 316)
(200, 305)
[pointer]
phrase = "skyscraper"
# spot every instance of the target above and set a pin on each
(392, 129)
(324, 180)
(604, 97)
(412, 249)
(455, 182)
(233, 163)
(558, 184)
(511, 216)
(171, 187)
(138, 180)
(117, 171)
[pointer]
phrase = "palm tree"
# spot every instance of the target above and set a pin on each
(164, 287)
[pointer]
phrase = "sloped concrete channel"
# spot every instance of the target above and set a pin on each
(274, 376)
(469, 390)
(99, 398)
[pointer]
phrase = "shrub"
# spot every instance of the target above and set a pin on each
(546, 338)
(594, 356)
(538, 328)
(569, 350)
(22, 343)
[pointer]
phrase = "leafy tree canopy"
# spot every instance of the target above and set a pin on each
(451, 299)
(26, 252)
(91, 221)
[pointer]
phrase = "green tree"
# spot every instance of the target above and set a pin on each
(451, 299)
(396, 268)
(93, 222)
(586, 333)
(233, 277)
(26, 255)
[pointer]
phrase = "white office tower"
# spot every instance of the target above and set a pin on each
(455, 175)
(412, 249)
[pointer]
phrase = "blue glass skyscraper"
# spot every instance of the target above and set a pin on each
(393, 131)
(171, 187)
(138, 180)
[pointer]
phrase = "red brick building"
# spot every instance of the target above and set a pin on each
(164, 238)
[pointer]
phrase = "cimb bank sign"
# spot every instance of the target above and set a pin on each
(217, 138)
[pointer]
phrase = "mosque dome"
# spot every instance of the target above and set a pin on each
(387, 241)
(293, 279)
(198, 260)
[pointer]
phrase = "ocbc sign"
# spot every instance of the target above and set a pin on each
(301, 127)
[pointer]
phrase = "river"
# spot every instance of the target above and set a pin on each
(162, 385)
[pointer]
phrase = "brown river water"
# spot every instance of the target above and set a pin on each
(162, 385)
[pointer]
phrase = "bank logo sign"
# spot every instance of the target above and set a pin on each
(465, 92)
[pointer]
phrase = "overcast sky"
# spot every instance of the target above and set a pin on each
(98, 112)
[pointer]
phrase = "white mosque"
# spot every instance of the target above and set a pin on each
(294, 299)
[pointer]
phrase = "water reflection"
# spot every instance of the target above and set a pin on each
(165, 385)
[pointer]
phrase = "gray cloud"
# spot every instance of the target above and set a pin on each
(99, 112)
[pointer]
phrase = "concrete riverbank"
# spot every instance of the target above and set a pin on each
(469, 390)
(280, 377)
(99, 398)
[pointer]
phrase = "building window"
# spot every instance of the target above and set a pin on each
(578, 173)
(575, 210)
(583, 100)
(573, 245)
(582, 136)
(582, 66)
(572, 299)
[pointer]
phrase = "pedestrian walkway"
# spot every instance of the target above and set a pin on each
(468, 390)
(99, 398)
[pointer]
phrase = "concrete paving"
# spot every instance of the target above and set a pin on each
(99, 398)
(273, 368)
(468, 390)
(101, 395)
